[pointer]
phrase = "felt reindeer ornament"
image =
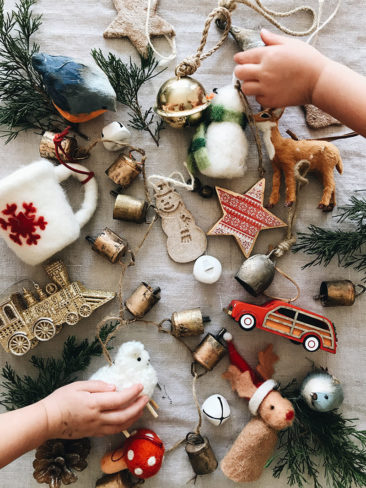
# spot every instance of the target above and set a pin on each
(285, 153)
(247, 457)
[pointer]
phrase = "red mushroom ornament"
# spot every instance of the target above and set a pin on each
(142, 454)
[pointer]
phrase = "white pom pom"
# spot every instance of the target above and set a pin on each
(227, 337)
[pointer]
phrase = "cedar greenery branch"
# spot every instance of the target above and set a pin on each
(24, 103)
(320, 439)
(345, 245)
(52, 373)
(127, 80)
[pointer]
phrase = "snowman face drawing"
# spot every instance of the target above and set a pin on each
(169, 202)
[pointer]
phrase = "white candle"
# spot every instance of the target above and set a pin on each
(207, 269)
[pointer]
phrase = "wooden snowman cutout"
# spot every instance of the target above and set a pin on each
(186, 241)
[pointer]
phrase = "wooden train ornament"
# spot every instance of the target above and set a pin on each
(301, 326)
(29, 318)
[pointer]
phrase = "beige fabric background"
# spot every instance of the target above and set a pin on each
(73, 28)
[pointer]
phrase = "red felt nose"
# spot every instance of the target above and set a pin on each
(290, 415)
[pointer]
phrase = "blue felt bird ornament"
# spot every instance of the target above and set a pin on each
(322, 391)
(78, 91)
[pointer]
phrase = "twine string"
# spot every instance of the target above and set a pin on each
(253, 128)
(300, 171)
(171, 41)
(271, 15)
(190, 64)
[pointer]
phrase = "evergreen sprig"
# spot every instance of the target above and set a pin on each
(346, 246)
(52, 373)
(127, 80)
(24, 103)
(320, 440)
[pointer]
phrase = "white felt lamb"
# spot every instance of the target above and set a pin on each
(219, 147)
(131, 366)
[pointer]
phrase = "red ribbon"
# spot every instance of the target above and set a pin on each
(58, 145)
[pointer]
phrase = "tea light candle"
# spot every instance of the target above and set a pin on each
(207, 269)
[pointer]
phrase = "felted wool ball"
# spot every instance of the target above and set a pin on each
(131, 366)
(115, 131)
(207, 269)
(216, 409)
(144, 452)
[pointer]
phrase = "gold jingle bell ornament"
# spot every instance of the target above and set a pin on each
(181, 100)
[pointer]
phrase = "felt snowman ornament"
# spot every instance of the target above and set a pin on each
(219, 147)
(115, 131)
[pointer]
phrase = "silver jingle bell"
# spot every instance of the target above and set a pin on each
(256, 273)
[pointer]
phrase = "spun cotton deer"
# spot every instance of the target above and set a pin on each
(284, 153)
(253, 447)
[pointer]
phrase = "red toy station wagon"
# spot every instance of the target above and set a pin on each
(312, 330)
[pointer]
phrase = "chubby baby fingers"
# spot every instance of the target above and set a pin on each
(92, 386)
(118, 399)
(126, 415)
(252, 56)
(251, 88)
(247, 72)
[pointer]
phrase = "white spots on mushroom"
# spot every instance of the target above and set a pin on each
(311, 156)
(298, 149)
(150, 435)
(138, 471)
(130, 455)
(151, 461)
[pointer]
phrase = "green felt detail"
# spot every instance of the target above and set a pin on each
(197, 143)
(218, 113)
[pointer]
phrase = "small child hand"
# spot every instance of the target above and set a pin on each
(92, 408)
(283, 73)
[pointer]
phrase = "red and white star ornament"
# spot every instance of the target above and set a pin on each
(244, 216)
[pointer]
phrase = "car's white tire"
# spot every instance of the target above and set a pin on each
(247, 321)
(311, 343)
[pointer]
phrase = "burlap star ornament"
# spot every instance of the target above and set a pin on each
(131, 20)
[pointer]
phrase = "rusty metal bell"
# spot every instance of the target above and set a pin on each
(210, 350)
(200, 454)
(338, 293)
(256, 273)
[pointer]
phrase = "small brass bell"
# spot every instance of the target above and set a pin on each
(338, 293)
(188, 323)
(256, 273)
(181, 102)
(142, 299)
(200, 453)
(210, 350)
(129, 208)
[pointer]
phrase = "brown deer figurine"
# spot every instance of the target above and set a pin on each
(253, 447)
(284, 153)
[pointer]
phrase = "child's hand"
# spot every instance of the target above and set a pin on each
(91, 408)
(283, 73)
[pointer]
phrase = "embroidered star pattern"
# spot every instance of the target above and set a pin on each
(244, 216)
(131, 20)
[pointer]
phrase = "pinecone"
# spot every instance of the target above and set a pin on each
(57, 458)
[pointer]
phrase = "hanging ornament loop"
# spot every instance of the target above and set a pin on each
(190, 64)
(270, 15)
(58, 146)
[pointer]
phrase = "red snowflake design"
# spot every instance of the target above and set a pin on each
(22, 224)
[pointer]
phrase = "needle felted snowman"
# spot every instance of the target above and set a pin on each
(219, 147)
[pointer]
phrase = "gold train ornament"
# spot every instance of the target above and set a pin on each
(29, 318)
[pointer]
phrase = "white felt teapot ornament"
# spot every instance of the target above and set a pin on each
(219, 147)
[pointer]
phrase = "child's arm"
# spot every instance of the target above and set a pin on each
(81, 409)
(290, 72)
